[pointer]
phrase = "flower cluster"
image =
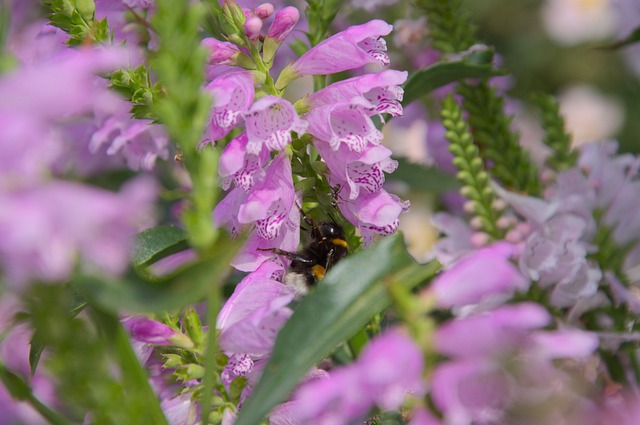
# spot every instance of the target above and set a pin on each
(258, 127)
(47, 223)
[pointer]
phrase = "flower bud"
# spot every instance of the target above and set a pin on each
(220, 52)
(252, 27)
(264, 10)
(144, 329)
(283, 23)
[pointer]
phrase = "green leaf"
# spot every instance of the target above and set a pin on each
(187, 285)
(350, 295)
(440, 74)
(37, 346)
(420, 177)
(156, 243)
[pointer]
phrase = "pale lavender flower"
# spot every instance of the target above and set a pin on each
(233, 95)
(62, 87)
(36, 99)
(555, 254)
(27, 149)
(501, 359)
(36, 43)
(352, 48)
(615, 181)
(483, 274)
(389, 369)
(138, 143)
(456, 240)
(269, 122)
(44, 229)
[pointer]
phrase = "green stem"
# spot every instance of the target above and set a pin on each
(210, 354)
(262, 67)
(203, 170)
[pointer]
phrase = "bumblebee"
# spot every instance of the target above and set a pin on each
(326, 246)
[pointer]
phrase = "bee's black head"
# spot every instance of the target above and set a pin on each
(329, 231)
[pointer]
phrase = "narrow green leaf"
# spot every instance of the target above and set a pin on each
(135, 379)
(420, 177)
(156, 243)
(440, 74)
(37, 346)
(351, 294)
(187, 285)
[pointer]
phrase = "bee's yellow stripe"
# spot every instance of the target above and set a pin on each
(318, 271)
(340, 242)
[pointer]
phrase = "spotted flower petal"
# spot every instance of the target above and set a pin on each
(233, 94)
(270, 122)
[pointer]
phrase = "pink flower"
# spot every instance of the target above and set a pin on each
(256, 310)
(269, 206)
(478, 276)
(241, 167)
(232, 96)
(270, 122)
(380, 92)
(44, 229)
(342, 123)
(352, 48)
(359, 171)
(374, 213)
(340, 113)
(389, 368)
